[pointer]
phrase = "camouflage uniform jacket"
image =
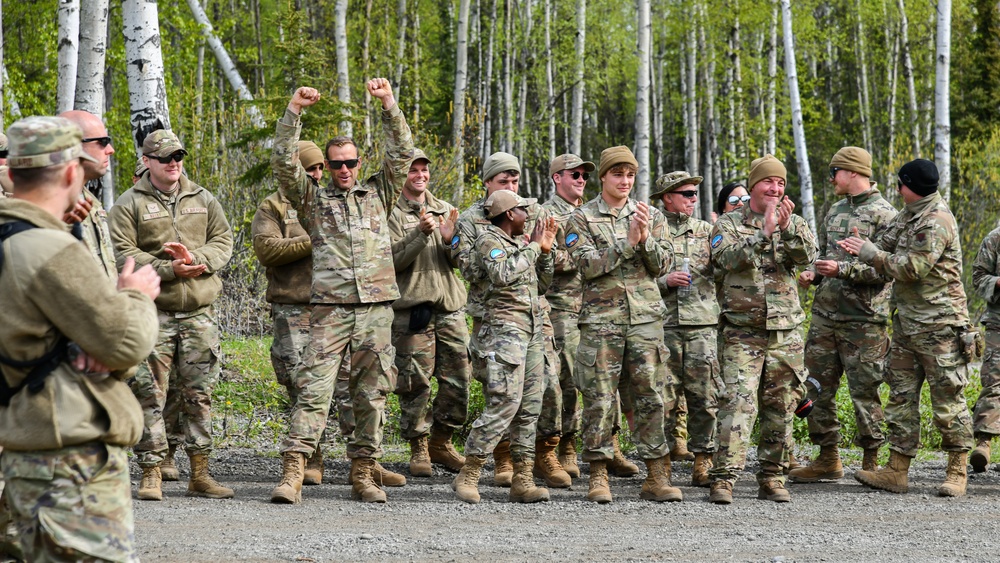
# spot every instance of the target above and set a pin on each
(619, 281)
(143, 219)
(858, 293)
(922, 253)
(97, 236)
(352, 256)
(284, 249)
(49, 285)
(689, 238)
(471, 224)
(565, 293)
(758, 273)
(511, 266)
(425, 271)
(985, 273)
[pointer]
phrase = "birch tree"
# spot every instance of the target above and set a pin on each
(772, 77)
(69, 45)
(343, 79)
(908, 74)
(458, 97)
(691, 101)
(798, 130)
(89, 94)
(576, 114)
(550, 100)
(942, 119)
(144, 63)
(642, 104)
(866, 126)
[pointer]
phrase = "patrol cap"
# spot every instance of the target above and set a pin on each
(672, 181)
(41, 141)
(309, 154)
(569, 161)
(503, 201)
(162, 142)
(420, 155)
(140, 168)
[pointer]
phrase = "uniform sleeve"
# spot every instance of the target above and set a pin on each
(593, 262)
(218, 247)
(562, 260)
(125, 236)
(293, 182)
(504, 265)
(544, 267)
(984, 277)
(270, 245)
(799, 243)
(398, 155)
(929, 242)
(731, 250)
(858, 272)
(461, 250)
(657, 256)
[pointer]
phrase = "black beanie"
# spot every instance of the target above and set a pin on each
(920, 175)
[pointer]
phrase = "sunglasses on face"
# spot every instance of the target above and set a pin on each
(336, 164)
(734, 199)
(833, 172)
(576, 174)
(176, 157)
(103, 141)
(903, 179)
(691, 194)
(3, 154)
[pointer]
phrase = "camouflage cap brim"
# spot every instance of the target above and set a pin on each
(50, 159)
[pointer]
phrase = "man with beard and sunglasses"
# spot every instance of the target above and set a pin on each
(180, 229)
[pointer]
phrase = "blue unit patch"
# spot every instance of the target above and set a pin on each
(716, 240)
(498, 253)
(454, 242)
(572, 239)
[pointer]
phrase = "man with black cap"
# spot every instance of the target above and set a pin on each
(849, 333)
(922, 253)
(180, 229)
(690, 329)
(756, 251)
(429, 330)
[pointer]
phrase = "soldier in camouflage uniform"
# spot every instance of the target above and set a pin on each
(510, 341)
(921, 252)
(615, 242)
(353, 285)
(755, 251)
(430, 332)
(180, 229)
(692, 317)
(65, 441)
(986, 416)
(849, 333)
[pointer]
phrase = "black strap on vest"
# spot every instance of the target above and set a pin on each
(40, 367)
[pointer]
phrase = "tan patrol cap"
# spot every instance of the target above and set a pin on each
(41, 141)
(502, 201)
(162, 142)
(569, 161)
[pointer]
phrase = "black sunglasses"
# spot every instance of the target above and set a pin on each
(336, 164)
(3, 154)
(833, 172)
(176, 157)
(103, 141)
(688, 194)
(734, 199)
(576, 174)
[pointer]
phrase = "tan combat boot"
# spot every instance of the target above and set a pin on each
(870, 460)
(699, 473)
(387, 478)
(721, 492)
(363, 486)
(522, 485)
(443, 452)
(420, 458)
(567, 455)
(547, 465)
(956, 476)
(772, 489)
(600, 491)
(620, 466)
(149, 487)
(168, 470)
(313, 474)
(657, 485)
(202, 484)
(893, 477)
(466, 483)
(289, 490)
(680, 451)
(980, 457)
(826, 467)
(503, 467)
(792, 463)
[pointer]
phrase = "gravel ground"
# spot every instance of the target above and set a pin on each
(422, 521)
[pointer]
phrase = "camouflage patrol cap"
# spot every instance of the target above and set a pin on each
(140, 168)
(569, 162)
(40, 141)
(419, 155)
(162, 142)
(503, 201)
(672, 181)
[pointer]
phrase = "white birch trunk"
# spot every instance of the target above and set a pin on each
(656, 76)
(741, 131)
(488, 88)
(226, 64)
(144, 63)
(642, 179)
(908, 74)
(522, 95)
(798, 131)
(343, 77)
(942, 119)
(772, 76)
(15, 108)
(691, 99)
(893, 86)
(576, 114)
(711, 159)
(549, 88)
(68, 56)
(89, 94)
(416, 70)
(508, 73)
(365, 61)
(458, 98)
(866, 124)
(400, 45)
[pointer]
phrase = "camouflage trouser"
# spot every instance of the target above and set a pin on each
(986, 418)
(438, 350)
(366, 331)
(858, 350)
(694, 367)
(936, 357)
(764, 365)
(632, 357)
(72, 504)
(550, 419)
(567, 339)
(514, 363)
(185, 361)
(290, 327)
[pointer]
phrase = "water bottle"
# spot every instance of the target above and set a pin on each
(686, 268)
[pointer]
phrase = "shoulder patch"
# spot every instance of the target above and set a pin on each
(572, 239)
(716, 241)
(498, 254)
(454, 242)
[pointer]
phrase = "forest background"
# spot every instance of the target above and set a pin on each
(697, 85)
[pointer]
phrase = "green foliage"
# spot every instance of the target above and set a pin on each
(248, 404)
